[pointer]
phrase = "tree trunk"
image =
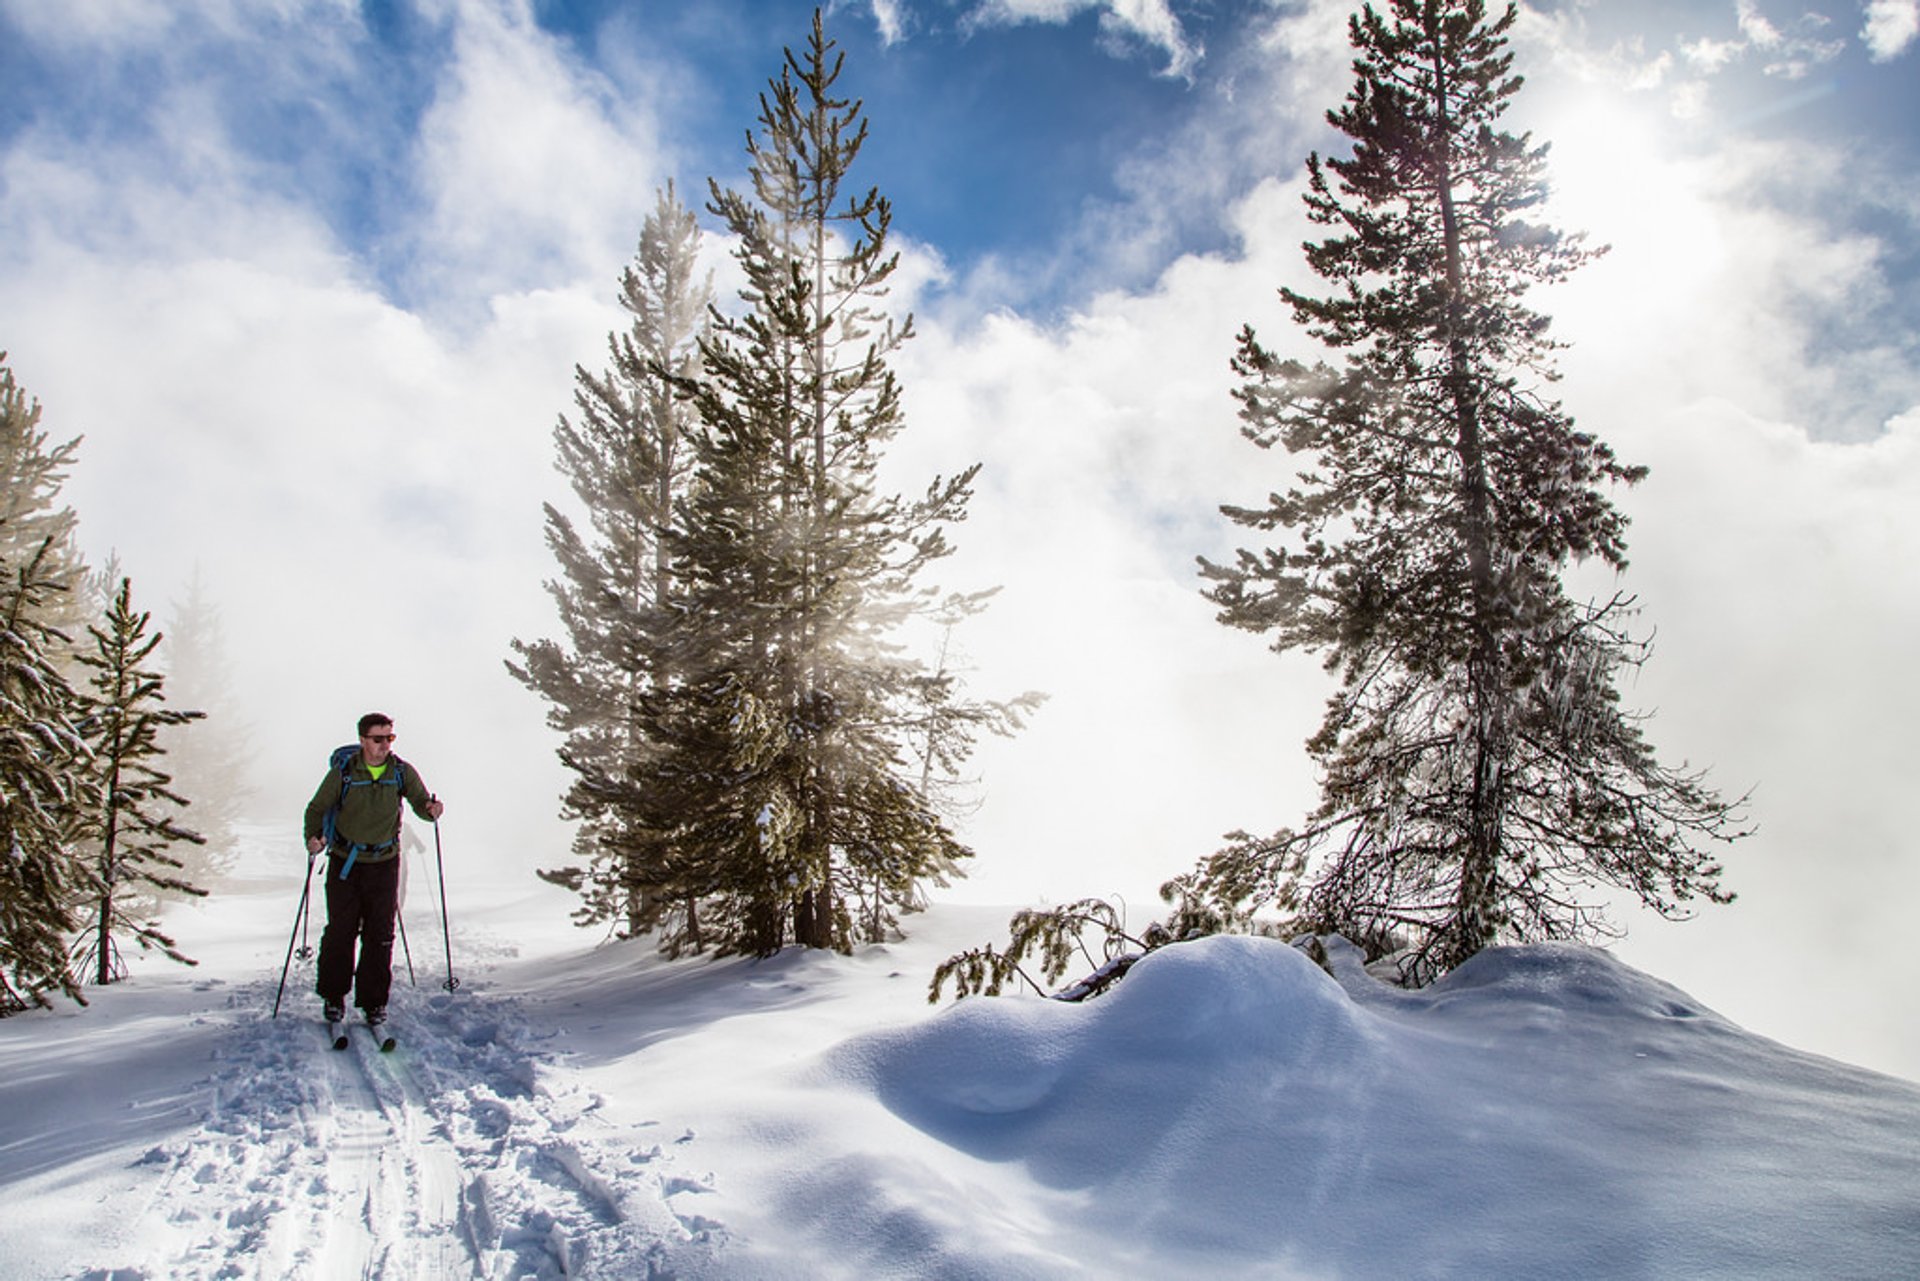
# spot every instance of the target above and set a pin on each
(763, 926)
(1473, 923)
(813, 918)
(636, 899)
(104, 934)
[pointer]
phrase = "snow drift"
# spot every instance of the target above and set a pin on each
(1229, 1110)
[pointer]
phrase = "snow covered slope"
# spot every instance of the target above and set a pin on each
(1229, 1110)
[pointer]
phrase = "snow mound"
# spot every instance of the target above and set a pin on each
(1568, 977)
(1060, 1084)
(1544, 1110)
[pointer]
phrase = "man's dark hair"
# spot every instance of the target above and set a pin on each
(372, 719)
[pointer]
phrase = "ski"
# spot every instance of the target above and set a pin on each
(381, 1037)
(337, 1033)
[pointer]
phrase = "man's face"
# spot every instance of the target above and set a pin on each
(376, 744)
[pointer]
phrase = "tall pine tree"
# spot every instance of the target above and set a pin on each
(134, 827)
(793, 733)
(1479, 773)
(628, 458)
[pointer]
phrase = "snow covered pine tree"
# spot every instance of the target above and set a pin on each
(1478, 771)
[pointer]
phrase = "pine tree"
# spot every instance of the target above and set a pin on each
(1479, 772)
(628, 460)
(207, 755)
(791, 733)
(131, 831)
(44, 784)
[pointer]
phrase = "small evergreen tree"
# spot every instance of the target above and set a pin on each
(1478, 770)
(132, 830)
(628, 460)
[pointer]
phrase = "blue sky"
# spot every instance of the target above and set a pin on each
(1044, 150)
(991, 140)
(311, 277)
(1001, 130)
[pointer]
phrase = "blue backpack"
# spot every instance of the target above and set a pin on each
(395, 778)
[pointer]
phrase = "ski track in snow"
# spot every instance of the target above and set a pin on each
(468, 1151)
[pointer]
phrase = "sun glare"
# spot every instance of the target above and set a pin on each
(1619, 175)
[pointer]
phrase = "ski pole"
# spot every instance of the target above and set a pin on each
(400, 920)
(306, 889)
(446, 930)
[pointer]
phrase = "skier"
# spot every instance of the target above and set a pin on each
(355, 816)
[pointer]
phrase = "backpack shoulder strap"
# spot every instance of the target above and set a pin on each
(340, 762)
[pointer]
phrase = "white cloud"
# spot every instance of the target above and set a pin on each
(1755, 27)
(1688, 101)
(890, 19)
(108, 23)
(1775, 567)
(1108, 442)
(1709, 56)
(533, 168)
(360, 486)
(360, 491)
(1781, 576)
(1309, 43)
(1790, 53)
(1892, 26)
(1804, 318)
(1715, 289)
(1149, 22)
(116, 25)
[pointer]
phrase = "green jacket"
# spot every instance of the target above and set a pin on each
(369, 811)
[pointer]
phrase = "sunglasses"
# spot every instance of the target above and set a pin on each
(380, 738)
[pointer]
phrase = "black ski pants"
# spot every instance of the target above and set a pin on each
(360, 905)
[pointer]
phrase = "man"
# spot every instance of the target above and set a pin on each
(363, 794)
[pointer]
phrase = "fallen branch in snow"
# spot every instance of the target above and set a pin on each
(1053, 937)
(1101, 979)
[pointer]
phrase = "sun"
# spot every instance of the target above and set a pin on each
(1617, 175)
(1620, 173)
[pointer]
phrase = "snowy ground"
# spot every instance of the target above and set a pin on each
(1229, 1110)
